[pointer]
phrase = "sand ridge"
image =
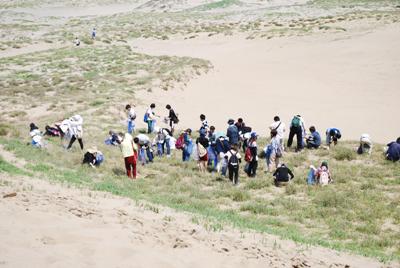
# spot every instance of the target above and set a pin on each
(347, 80)
(50, 224)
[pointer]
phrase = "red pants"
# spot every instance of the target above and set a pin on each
(130, 165)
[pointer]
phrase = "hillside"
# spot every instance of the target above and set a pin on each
(335, 62)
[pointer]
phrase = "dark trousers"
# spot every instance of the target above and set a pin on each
(311, 145)
(299, 136)
(234, 173)
(73, 139)
(252, 169)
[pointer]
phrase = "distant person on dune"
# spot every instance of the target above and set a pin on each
(314, 139)
(172, 118)
(131, 118)
(393, 151)
(129, 152)
(297, 127)
(94, 33)
(77, 42)
(365, 144)
(332, 134)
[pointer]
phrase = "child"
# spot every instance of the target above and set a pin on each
(162, 139)
(36, 136)
(131, 118)
(114, 138)
(93, 157)
(276, 151)
(234, 159)
(321, 176)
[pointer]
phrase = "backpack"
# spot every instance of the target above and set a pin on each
(323, 177)
(201, 150)
(296, 121)
(175, 118)
(247, 156)
(278, 152)
(146, 117)
(233, 160)
(180, 142)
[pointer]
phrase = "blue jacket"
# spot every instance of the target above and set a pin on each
(233, 134)
(316, 138)
(222, 147)
(393, 152)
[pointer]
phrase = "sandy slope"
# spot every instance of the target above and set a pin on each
(348, 80)
(49, 225)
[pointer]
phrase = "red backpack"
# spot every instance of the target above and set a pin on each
(247, 156)
(180, 142)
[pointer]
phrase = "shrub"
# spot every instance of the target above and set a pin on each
(342, 153)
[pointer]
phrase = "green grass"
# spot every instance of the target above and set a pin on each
(347, 215)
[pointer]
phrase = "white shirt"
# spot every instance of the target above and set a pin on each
(131, 114)
(281, 129)
(76, 122)
(150, 113)
(36, 135)
(143, 139)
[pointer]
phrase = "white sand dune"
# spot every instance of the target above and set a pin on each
(47, 225)
(350, 81)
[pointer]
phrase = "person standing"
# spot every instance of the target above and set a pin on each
(129, 152)
(172, 118)
(276, 151)
(202, 144)
(251, 151)
(94, 33)
(280, 128)
(212, 150)
(131, 118)
(296, 128)
(232, 132)
(234, 159)
(204, 123)
(188, 145)
(76, 130)
(150, 118)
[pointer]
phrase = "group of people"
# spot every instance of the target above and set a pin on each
(216, 151)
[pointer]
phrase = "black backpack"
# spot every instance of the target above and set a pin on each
(233, 160)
